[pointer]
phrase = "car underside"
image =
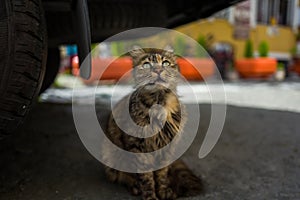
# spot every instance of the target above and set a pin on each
(109, 17)
(32, 29)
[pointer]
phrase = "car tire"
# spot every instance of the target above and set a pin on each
(23, 55)
(52, 68)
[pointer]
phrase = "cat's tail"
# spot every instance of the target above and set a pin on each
(183, 181)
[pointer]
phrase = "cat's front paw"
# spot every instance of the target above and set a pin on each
(158, 116)
(166, 194)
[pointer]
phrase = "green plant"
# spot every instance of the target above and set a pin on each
(201, 49)
(248, 53)
(117, 48)
(280, 66)
(202, 41)
(293, 51)
(180, 45)
(263, 49)
(94, 49)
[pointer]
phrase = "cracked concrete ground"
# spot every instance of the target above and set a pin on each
(257, 157)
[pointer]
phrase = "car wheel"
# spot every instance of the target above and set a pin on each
(23, 55)
(52, 68)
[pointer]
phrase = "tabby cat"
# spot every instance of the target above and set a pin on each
(156, 75)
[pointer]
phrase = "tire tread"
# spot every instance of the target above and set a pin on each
(25, 58)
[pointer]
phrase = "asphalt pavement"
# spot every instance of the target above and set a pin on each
(257, 157)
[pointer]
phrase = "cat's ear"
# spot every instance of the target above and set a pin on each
(168, 48)
(136, 51)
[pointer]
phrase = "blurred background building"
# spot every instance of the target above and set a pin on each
(273, 21)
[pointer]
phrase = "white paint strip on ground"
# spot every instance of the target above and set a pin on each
(276, 96)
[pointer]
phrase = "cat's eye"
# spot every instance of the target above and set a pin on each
(166, 63)
(146, 65)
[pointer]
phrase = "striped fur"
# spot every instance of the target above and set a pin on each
(154, 85)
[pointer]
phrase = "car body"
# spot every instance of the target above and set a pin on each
(31, 30)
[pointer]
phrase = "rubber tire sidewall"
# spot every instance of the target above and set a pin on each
(52, 68)
(24, 35)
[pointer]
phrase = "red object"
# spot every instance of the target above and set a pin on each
(75, 65)
(196, 68)
(256, 67)
(296, 66)
(116, 68)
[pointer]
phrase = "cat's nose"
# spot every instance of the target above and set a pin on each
(157, 70)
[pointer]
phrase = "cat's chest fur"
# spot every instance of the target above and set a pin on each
(148, 108)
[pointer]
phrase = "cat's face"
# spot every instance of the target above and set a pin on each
(155, 68)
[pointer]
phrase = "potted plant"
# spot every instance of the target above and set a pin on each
(259, 67)
(114, 69)
(194, 68)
